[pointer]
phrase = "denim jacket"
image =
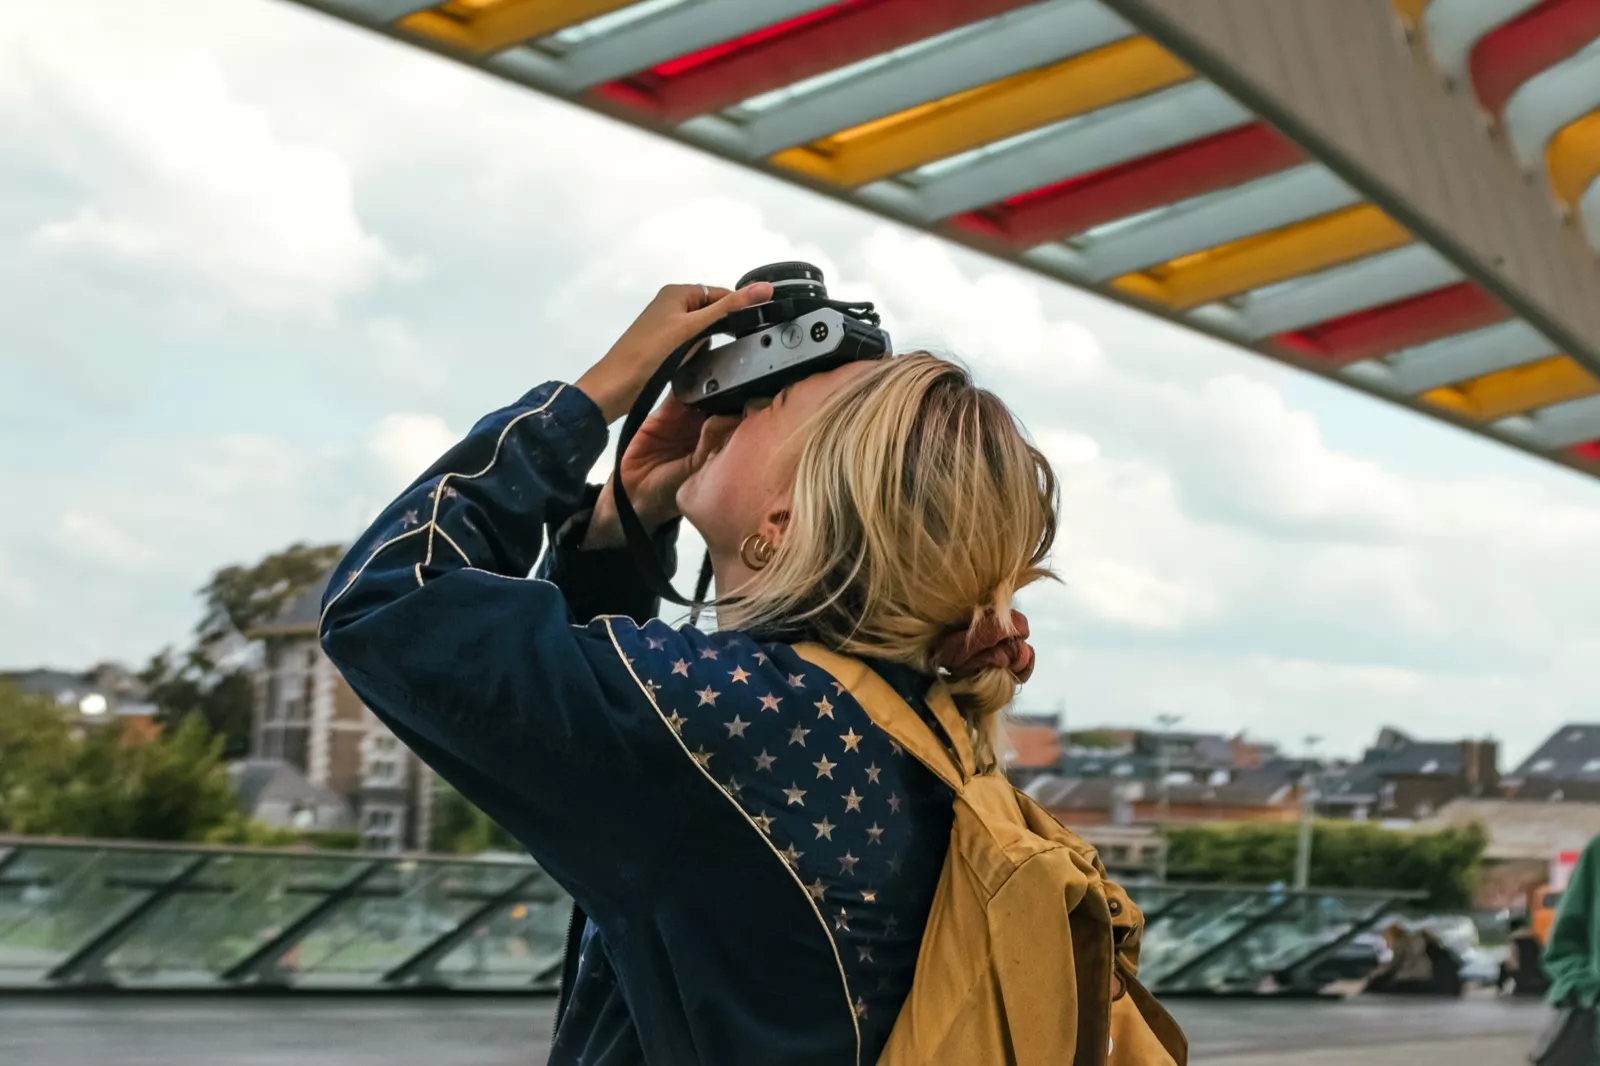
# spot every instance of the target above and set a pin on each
(757, 859)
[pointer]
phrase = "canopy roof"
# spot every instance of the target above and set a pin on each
(1117, 146)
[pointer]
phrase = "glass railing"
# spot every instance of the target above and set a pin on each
(1237, 939)
(143, 915)
(78, 914)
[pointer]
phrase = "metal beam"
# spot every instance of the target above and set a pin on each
(1265, 204)
(86, 966)
(393, 10)
(1562, 425)
(1082, 145)
(1169, 981)
(377, 12)
(261, 965)
(1469, 355)
(1166, 908)
(1321, 951)
(1549, 101)
(1010, 43)
(1454, 26)
(420, 967)
(640, 45)
(1377, 280)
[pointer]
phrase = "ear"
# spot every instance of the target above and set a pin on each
(775, 524)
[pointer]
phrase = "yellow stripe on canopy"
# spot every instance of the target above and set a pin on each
(1267, 258)
(1519, 389)
(988, 113)
(1573, 158)
(484, 26)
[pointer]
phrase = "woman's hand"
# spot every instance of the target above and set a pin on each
(669, 447)
(676, 314)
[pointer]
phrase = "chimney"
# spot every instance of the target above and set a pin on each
(1480, 765)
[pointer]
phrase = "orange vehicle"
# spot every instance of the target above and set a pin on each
(1542, 904)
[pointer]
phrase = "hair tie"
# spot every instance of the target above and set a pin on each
(987, 644)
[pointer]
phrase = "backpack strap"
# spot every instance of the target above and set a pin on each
(894, 715)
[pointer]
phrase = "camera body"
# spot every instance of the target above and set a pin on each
(799, 332)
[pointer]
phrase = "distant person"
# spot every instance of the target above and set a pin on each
(1520, 973)
(757, 853)
(1572, 963)
(1420, 964)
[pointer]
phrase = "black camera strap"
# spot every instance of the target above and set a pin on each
(645, 557)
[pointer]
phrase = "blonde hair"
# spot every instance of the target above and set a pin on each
(918, 506)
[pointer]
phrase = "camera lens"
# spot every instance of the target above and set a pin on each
(789, 280)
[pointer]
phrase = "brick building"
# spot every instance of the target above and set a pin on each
(1101, 801)
(1402, 778)
(1030, 745)
(308, 717)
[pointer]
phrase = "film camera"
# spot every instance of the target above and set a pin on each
(799, 332)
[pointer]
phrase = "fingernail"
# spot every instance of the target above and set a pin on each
(761, 290)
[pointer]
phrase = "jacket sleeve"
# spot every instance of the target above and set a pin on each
(433, 622)
(600, 581)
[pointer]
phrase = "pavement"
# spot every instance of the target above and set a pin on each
(150, 1031)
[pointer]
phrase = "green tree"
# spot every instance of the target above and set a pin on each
(240, 598)
(459, 828)
(236, 600)
(37, 758)
(99, 784)
(1093, 738)
(173, 788)
(1443, 864)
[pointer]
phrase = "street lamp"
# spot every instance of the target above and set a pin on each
(1308, 814)
(1165, 723)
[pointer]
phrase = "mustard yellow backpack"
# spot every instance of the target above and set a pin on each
(1030, 955)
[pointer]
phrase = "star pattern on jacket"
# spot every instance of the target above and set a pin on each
(824, 788)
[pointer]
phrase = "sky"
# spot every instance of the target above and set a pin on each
(258, 268)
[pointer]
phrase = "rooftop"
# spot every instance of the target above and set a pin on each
(1572, 753)
(1522, 829)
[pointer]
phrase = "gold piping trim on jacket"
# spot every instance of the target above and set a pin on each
(794, 874)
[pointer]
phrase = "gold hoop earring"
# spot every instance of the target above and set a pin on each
(757, 551)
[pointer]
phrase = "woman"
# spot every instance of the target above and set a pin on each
(756, 857)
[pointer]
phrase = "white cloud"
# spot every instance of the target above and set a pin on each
(15, 593)
(404, 445)
(399, 354)
(173, 172)
(101, 539)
